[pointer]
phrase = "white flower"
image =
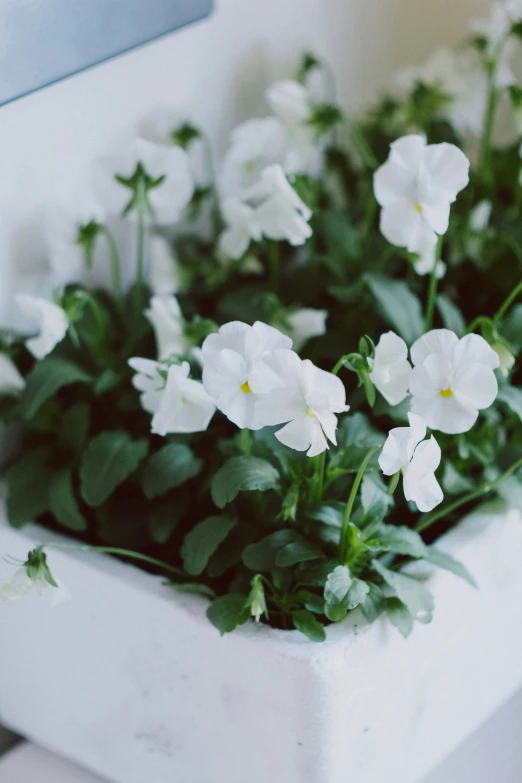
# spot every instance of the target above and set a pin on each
(415, 187)
(164, 273)
(279, 211)
(425, 261)
(159, 175)
(66, 256)
(391, 369)
(304, 324)
(150, 380)
(52, 322)
(161, 127)
(165, 317)
(184, 405)
(494, 28)
(255, 144)
(406, 450)
(480, 216)
(292, 103)
(21, 586)
(301, 396)
(229, 357)
(452, 379)
(11, 382)
(462, 79)
(242, 228)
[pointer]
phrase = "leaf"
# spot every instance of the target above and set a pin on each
(512, 397)
(228, 611)
(203, 540)
(512, 326)
(452, 317)
(171, 466)
(330, 514)
(262, 555)
(448, 563)
(453, 482)
(374, 603)
(63, 503)
(308, 625)
(164, 519)
(398, 306)
(375, 499)
(399, 615)
(411, 592)
(74, 427)
(402, 540)
(107, 381)
(28, 481)
(336, 593)
(46, 378)
(297, 552)
(510, 490)
(242, 473)
(355, 437)
(193, 588)
(110, 458)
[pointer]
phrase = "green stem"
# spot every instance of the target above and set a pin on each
(318, 485)
(508, 302)
(115, 263)
(483, 489)
(112, 550)
(363, 147)
(489, 121)
(273, 264)
(371, 212)
(140, 261)
(432, 290)
(339, 365)
(351, 500)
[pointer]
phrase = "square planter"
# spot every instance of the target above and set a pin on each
(131, 680)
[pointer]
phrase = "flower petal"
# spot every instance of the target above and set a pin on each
(436, 341)
(475, 386)
(473, 349)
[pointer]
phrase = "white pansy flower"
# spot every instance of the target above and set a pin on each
(165, 317)
(296, 393)
(164, 126)
(161, 175)
(452, 379)
(279, 211)
(66, 255)
(291, 102)
(423, 265)
(406, 450)
(149, 380)
(184, 405)
(52, 323)
(415, 189)
(255, 144)
(229, 357)
(242, 228)
(304, 324)
(11, 382)
(494, 28)
(164, 272)
(21, 586)
(390, 368)
(514, 9)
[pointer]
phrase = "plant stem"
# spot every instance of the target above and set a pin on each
(115, 262)
(112, 550)
(273, 264)
(517, 290)
(485, 149)
(483, 489)
(140, 261)
(351, 499)
(339, 365)
(432, 290)
(363, 147)
(318, 487)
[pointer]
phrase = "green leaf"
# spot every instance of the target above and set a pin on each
(308, 625)
(401, 540)
(512, 397)
(261, 556)
(375, 499)
(171, 466)
(228, 611)
(355, 437)
(398, 306)
(452, 317)
(107, 381)
(411, 592)
(297, 552)
(374, 604)
(46, 378)
(336, 592)
(399, 615)
(448, 563)
(453, 482)
(242, 473)
(28, 481)
(193, 588)
(330, 514)
(203, 540)
(110, 458)
(74, 427)
(164, 519)
(63, 503)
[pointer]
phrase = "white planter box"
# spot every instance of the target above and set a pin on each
(130, 679)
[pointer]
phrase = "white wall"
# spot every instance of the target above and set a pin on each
(220, 66)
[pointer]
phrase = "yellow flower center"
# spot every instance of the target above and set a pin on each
(245, 388)
(446, 393)
(250, 167)
(309, 413)
(417, 207)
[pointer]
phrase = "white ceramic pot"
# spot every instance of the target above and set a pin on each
(130, 679)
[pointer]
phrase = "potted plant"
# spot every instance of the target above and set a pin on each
(295, 398)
